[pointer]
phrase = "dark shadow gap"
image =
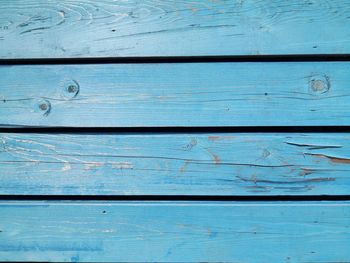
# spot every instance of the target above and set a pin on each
(179, 59)
(174, 198)
(174, 130)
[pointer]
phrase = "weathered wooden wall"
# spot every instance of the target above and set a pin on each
(107, 105)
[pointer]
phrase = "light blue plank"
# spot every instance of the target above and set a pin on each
(175, 164)
(84, 28)
(199, 94)
(175, 232)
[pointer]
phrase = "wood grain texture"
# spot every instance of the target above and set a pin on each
(184, 94)
(85, 28)
(175, 164)
(175, 232)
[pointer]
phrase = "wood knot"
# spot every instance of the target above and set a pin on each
(44, 106)
(70, 89)
(319, 83)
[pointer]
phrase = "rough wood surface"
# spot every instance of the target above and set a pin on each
(84, 28)
(175, 232)
(198, 94)
(175, 164)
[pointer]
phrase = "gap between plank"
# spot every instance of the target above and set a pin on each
(176, 130)
(173, 198)
(178, 59)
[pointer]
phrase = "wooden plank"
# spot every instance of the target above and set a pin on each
(84, 28)
(175, 232)
(175, 164)
(154, 95)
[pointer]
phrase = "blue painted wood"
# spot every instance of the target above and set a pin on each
(175, 164)
(198, 94)
(175, 231)
(85, 28)
(161, 95)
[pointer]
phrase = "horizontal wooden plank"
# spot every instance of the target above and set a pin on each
(85, 28)
(175, 232)
(175, 164)
(154, 95)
